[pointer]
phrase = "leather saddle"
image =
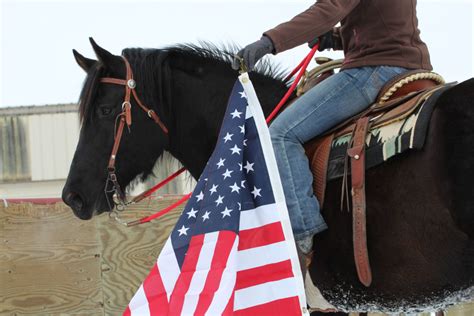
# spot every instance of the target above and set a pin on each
(396, 100)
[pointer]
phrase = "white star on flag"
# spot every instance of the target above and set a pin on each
(192, 213)
(220, 163)
(235, 150)
(256, 192)
(227, 173)
(183, 230)
(242, 129)
(228, 137)
(249, 167)
(243, 95)
(206, 216)
(226, 212)
(236, 114)
(235, 188)
(219, 200)
(213, 189)
(200, 196)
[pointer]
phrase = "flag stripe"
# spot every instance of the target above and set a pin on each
(168, 267)
(255, 257)
(219, 262)
(127, 312)
(225, 293)
(139, 303)
(261, 236)
(264, 293)
(187, 272)
(229, 309)
(262, 215)
(155, 292)
(285, 306)
(203, 267)
(266, 273)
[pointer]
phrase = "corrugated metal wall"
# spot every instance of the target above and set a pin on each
(14, 156)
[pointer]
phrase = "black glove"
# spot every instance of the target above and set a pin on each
(253, 52)
(327, 41)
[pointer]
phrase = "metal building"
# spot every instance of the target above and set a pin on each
(37, 144)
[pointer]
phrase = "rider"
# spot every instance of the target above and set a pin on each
(380, 39)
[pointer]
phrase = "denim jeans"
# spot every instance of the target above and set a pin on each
(329, 103)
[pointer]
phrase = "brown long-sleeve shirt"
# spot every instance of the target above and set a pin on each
(373, 32)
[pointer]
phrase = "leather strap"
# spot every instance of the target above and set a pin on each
(320, 163)
(125, 117)
(359, 230)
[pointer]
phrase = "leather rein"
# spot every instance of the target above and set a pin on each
(125, 117)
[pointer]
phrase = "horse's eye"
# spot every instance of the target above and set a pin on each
(105, 110)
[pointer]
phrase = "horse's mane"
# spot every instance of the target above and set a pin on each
(144, 63)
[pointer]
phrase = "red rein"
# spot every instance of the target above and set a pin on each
(301, 67)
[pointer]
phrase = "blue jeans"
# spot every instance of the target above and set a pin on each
(329, 103)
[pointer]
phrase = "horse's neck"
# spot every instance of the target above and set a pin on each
(198, 109)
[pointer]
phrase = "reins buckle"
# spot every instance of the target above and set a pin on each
(125, 103)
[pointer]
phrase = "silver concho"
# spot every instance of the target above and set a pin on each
(131, 84)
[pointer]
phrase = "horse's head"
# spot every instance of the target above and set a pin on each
(87, 190)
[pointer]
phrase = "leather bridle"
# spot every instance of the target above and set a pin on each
(125, 117)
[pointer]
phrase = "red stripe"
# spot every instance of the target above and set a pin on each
(186, 275)
(229, 309)
(263, 274)
(261, 236)
(127, 312)
(286, 306)
(225, 241)
(155, 292)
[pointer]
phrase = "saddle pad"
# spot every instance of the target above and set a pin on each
(387, 141)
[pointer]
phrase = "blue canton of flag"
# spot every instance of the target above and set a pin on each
(231, 251)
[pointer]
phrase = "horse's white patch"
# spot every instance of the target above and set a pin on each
(344, 304)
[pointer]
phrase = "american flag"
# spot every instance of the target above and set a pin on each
(232, 251)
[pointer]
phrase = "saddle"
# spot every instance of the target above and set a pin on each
(397, 99)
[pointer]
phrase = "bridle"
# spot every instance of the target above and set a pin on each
(125, 117)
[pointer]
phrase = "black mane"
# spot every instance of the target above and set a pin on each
(151, 68)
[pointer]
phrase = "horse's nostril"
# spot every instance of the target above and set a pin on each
(74, 200)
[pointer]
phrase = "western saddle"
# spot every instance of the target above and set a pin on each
(396, 100)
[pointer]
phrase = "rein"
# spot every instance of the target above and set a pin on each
(126, 118)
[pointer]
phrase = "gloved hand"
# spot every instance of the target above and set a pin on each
(329, 40)
(253, 52)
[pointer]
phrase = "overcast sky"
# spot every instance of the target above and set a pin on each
(37, 65)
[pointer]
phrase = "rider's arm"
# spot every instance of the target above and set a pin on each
(314, 22)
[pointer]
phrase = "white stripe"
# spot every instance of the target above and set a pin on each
(248, 113)
(269, 156)
(139, 304)
(265, 293)
(227, 284)
(259, 256)
(259, 216)
(198, 280)
(168, 268)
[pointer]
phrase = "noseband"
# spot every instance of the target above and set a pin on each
(125, 117)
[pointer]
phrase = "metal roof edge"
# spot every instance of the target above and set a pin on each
(38, 109)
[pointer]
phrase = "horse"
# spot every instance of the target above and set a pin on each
(420, 204)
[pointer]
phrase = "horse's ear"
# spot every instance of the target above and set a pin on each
(109, 60)
(83, 62)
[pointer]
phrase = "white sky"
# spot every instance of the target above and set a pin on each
(37, 65)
